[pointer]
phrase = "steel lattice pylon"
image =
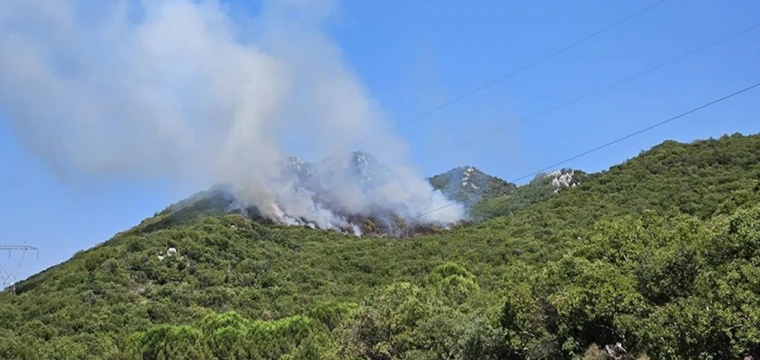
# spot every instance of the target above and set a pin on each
(9, 277)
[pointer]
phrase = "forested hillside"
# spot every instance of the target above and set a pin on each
(658, 257)
(468, 185)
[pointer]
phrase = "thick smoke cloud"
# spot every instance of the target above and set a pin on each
(182, 90)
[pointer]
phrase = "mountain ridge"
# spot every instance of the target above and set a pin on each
(359, 168)
(630, 255)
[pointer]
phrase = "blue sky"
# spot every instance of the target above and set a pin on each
(415, 55)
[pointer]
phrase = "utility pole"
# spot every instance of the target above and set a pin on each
(9, 277)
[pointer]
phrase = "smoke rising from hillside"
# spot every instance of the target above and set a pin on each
(181, 90)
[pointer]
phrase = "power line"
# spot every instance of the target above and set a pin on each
(504, 77)
(18, 247)
(596, 91)
(600, 147)
(582, 97)
(9, 277)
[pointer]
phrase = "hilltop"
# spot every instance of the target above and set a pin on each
(466, 185)
(469, 185)
(659, 254)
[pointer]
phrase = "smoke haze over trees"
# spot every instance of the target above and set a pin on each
(656, 256)
(183, 91)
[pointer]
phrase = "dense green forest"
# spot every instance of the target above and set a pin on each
(660, 254)
(468, 185)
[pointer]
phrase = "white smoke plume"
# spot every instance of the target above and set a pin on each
(183, 90)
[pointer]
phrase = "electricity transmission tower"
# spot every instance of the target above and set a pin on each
(9, 277)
